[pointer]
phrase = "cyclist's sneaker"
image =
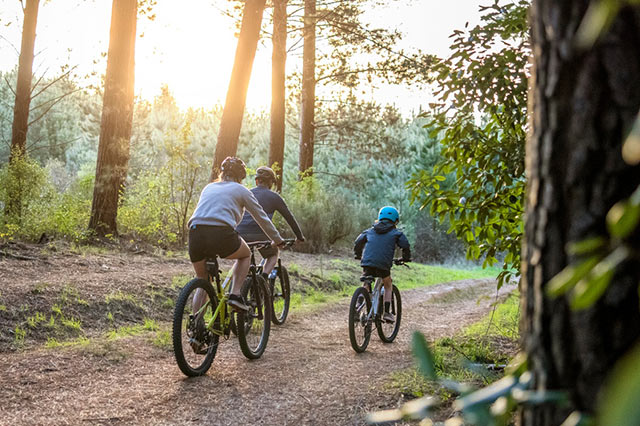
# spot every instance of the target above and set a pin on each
(238, 302)
(388, 317)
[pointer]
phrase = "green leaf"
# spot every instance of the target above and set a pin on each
(623, 219)
(619, 405)
(596, 21)
(423, 355)
(570, 276)
(586, 246)
(578, 419)
(488, 394)
(590, 288)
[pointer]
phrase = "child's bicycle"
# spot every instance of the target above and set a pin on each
(202, 316)
(278, 282)
(368, 307)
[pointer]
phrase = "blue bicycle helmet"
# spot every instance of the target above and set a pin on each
(389, 213)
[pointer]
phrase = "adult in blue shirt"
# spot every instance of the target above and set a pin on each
(270, 202)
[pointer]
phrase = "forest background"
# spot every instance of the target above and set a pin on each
(365, 148)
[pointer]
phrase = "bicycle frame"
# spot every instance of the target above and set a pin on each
(213, 271)
(375, 299)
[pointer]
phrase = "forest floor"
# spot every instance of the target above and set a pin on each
(84, 340)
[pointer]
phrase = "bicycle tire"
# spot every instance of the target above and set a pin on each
(193, 364)
(359, 328)
(253, 326)
(386, 331)
(280, 297)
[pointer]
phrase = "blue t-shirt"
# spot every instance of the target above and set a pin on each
(271, 202)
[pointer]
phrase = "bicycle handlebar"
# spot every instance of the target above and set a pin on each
(401, 262)
(288, 242)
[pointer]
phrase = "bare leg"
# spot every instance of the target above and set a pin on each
(241, 267)
(199, 297)
(270, 262)
(388, 288)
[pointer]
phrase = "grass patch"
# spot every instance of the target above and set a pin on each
(121, 297)
(339, 279)
(463, 357)
(163, 340)
(133, 330)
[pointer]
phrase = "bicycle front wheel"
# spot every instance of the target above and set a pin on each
(280, 296)
(387, 331)
(194, 344)
(253, 326)
(359, 324)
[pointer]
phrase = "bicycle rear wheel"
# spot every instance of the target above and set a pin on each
(253, 326)
(359, 325)
(280, 296)
(387, 331)
(194, 345)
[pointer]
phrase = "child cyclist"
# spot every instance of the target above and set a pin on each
(379, 243)
(212, 226)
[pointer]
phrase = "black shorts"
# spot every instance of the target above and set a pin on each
(207, 242)
(264, 252)
(376, 272)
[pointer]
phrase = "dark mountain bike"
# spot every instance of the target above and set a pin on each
(278, 282)
(367, 308)
(202, 317)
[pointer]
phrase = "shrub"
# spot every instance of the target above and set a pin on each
(325, 218)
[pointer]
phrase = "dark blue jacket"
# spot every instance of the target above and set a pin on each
(379, 243)
(270, 202)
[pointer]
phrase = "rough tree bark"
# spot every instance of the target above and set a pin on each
(307, 110)
(233, 111)
(583, 104)
(23, 88)
(117, 117)
(279, 58)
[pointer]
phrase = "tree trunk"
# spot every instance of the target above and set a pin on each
(20, 124)
(583, 104)
(23, 88)
(117, 117)
(279, 58)
(307, 110)
(240, 75)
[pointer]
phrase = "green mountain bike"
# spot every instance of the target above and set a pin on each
(202, 316)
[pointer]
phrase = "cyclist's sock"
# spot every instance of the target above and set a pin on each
(387, 306)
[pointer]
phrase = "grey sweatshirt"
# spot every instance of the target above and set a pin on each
(223, 203)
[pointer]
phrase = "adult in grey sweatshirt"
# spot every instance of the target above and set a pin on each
(212, 225)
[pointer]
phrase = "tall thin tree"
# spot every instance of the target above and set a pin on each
(23, 87)
(233, 111)
(117, 117)
(278, 63)
(20, 123)
(583, 102)
(308, 95)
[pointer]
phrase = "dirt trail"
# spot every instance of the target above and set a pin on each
(308, 375)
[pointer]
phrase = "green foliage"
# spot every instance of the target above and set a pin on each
(324, 217)
(479, 186)
(42, 209)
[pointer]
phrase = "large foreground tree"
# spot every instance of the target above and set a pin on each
(308, 94)
(233, 111)
(584, 102)
(117, 117)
